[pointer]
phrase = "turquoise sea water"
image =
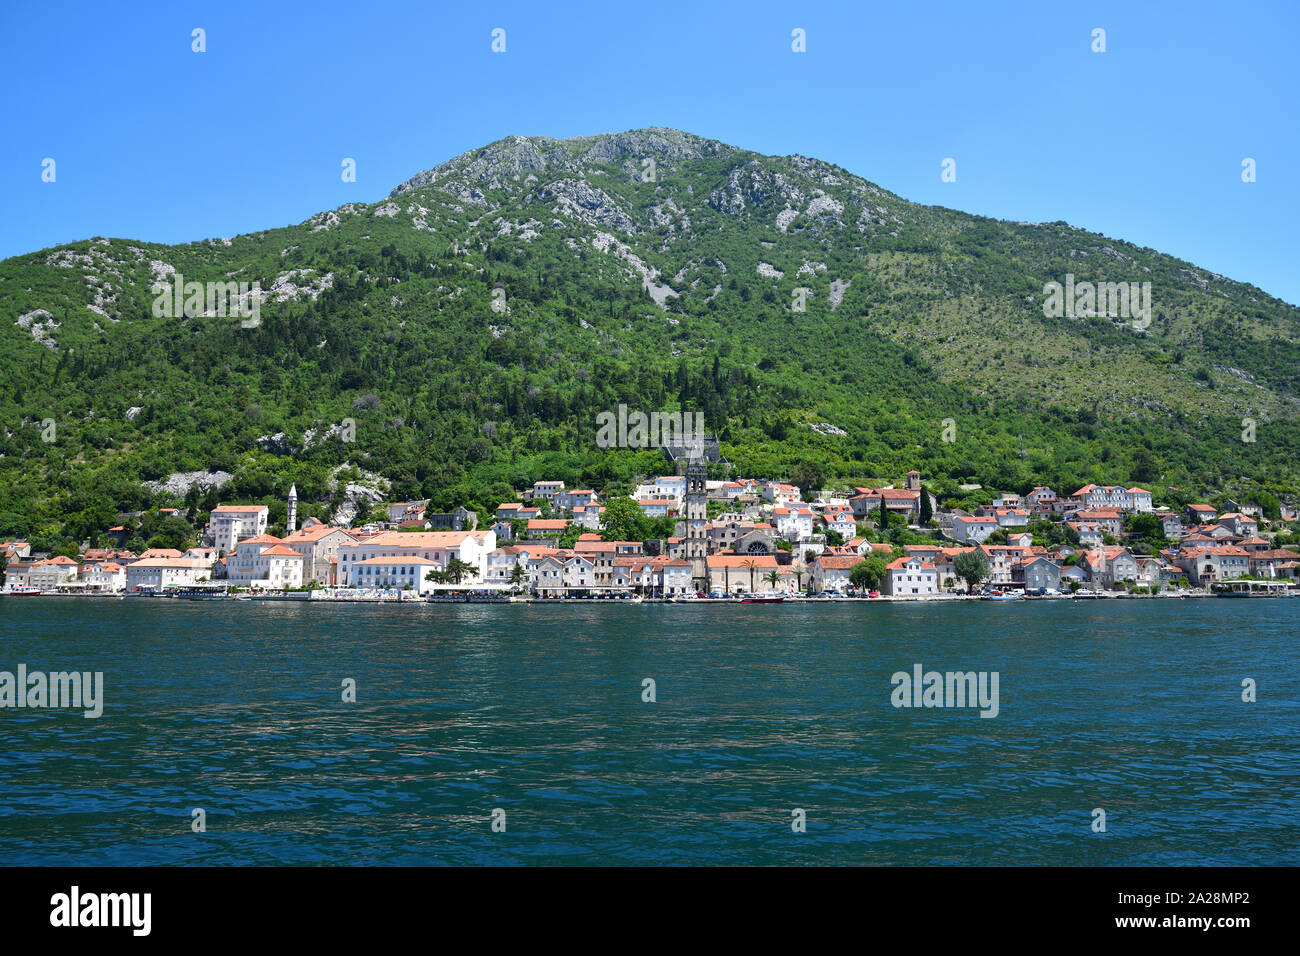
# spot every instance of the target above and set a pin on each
(1133, 707)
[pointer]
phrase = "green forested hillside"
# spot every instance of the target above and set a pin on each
(671, 293)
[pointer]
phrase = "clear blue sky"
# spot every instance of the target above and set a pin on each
(1143, 142)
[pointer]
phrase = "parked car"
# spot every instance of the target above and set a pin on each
(872, 594)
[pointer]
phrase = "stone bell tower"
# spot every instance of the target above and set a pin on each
(697, 538)
(291, 522)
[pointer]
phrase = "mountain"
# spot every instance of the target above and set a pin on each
(467, 330)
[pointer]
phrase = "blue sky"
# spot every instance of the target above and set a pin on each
(1143, 142)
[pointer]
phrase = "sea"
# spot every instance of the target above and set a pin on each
(1125, 732)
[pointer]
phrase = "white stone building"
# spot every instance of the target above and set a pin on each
(911, 577)
(230, 524)
(439, 547)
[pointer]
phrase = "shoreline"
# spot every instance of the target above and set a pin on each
(309, 598)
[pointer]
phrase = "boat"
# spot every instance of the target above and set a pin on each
(1249, 589)
(23, 590)
(1003, 596)
(762, 600)
(197, 593)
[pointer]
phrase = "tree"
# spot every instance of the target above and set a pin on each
(798, 577)
(972, 567)
(882, 517)
(571, 534)
(807, 477)
(623, 520)
(751, 564)
(172, 533)
(1145, 466)
(457, 569)
(927, 511)
(1144, 526)
(517, 575)
(867, 574)
(772, 577)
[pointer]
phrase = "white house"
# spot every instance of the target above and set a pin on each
(547, 575)
(793, 523)
(911, 577)
(319, 546)
(398, 573)
(1041, 500)
(1036, 571)
(579, 573)
(109, 576)
(1090, 533)
(574, 498)
(675, 577)
(1139, 499)
(159, 573)
(841, 522)
(230, 524)
(399, 511)
(265, 561)
(1109, 567)
(830, 572)
(1011, 517)
(1204, 566)
(1240, 525)
(653, 575)
(283, 567)
(780, 493)
(440, 547)
(973, 529)
(500, 564)
(544, 490)
(51, 572)
(1113, 496)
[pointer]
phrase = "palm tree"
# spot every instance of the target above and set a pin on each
(798, 577)
(751, 564)
(772, 577)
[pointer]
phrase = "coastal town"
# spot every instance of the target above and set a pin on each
(745, 539)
